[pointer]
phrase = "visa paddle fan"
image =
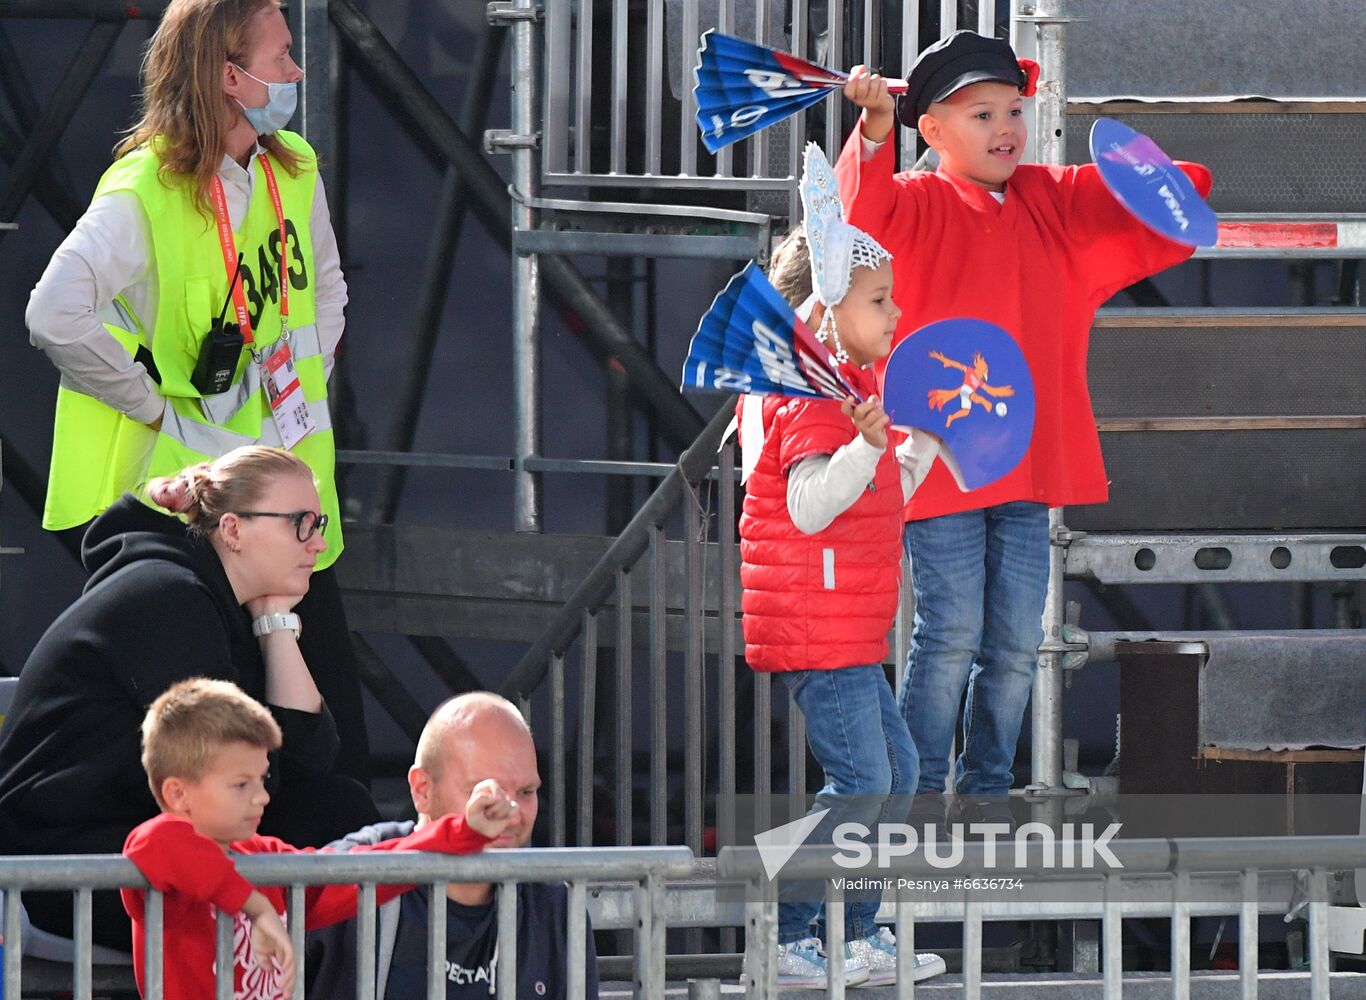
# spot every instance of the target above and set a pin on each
(742, 87)
(751, 341)
(1154, 189)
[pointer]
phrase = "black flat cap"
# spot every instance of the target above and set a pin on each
(953, 63)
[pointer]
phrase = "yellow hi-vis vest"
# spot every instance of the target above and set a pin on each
(98, 454)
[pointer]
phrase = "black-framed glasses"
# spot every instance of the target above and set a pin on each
(306, 522)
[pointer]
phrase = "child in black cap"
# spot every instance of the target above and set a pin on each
(1034, 249)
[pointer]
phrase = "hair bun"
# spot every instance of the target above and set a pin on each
(172, 493)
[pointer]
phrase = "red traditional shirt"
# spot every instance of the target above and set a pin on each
(1038, 265)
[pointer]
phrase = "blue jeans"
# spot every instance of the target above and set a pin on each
(871, 768)
(980, 580)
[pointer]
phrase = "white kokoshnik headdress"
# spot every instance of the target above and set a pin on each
(836, 247)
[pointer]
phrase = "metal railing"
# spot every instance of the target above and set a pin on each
(1175, 879)
(666, 41)
(565, 103)
(580, 618)
(1162, 867)
(646, 868)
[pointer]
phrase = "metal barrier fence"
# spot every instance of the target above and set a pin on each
(667, 159)
(666, 40)
(646, 867)
(1172, 878)
(584, 615)
(1169, 864)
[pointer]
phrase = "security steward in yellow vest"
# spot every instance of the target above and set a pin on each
(132, 295)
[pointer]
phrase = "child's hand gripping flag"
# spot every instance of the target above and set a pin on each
(752, 341)
(742, 87)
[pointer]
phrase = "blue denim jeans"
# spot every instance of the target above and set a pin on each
(980, 580)
(871, 768)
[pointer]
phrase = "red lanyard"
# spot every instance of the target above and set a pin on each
(220, 209)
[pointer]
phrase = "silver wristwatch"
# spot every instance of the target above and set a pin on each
(278, 622)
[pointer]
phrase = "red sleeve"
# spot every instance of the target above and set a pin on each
(1117, 248)
(809, 427)
(174, 858)
(447, 835)
(330, 904)
(871, 192)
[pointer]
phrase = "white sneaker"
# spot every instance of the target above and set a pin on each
(803, 964)
(878, 953)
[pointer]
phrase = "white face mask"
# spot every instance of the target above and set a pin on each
(281, 100)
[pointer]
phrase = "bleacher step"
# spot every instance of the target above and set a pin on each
(433, 581)
(1255, 149)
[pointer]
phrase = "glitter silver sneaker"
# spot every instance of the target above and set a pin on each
(878, 953)
(802, 965)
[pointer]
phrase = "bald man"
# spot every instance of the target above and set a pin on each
(467, 739)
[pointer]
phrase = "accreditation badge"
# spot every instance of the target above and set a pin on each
(288, 406)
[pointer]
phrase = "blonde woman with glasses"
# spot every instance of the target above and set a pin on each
(214, 601)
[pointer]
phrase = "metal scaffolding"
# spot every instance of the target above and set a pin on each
(605, 162)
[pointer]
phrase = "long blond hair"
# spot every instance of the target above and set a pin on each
(184, 110)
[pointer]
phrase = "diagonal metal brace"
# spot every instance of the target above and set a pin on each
(376, 59)
(81, 72)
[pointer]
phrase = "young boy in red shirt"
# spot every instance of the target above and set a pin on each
(821, 568)
(204, 749)
(1036, 250)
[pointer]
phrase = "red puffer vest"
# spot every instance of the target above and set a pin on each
(822, 601)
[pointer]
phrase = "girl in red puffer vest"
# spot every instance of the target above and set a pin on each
(820, 545)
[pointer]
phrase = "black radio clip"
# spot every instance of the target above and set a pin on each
(221, 350)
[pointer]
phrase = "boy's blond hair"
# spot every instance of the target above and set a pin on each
(192, 721)
(789, 268)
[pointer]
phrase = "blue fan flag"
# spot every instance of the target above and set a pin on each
(751, 341)
(967, 382)
(742, 88)
(1146, 182)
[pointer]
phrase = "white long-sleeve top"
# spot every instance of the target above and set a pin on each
(822, 487)
(107, 255)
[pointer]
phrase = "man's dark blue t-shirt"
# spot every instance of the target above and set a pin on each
(471, 943)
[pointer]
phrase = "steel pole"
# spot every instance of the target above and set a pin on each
(313, 46)
(621, 291)
(1046, 769)
(526, 282)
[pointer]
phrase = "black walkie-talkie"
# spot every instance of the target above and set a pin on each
(219, 354)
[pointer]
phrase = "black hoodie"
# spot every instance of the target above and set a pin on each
(158, 608)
